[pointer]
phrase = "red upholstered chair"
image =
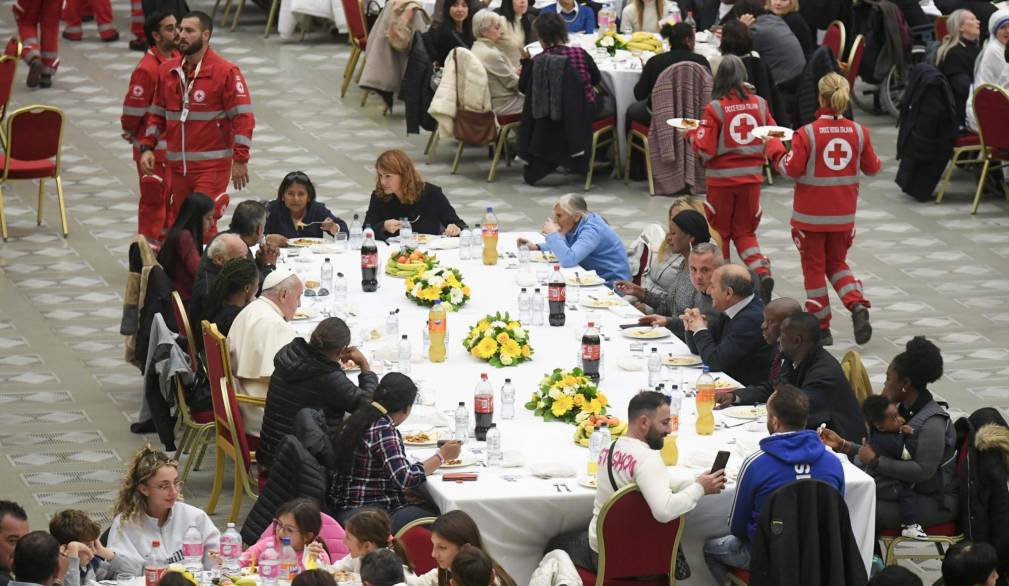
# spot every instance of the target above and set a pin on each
(358, 29)
(991, 145)
(633, 544)
(8, 73)
(604, 133)
(854, 62)
(231, 439)
(834, 38)
(416, 539)
(33, 135)
(637, 140)
(197, 427)
(738, 577)
(940, 27)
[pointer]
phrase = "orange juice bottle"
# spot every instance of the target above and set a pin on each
(489, 229)
(436, 324)
(670, 453)
(705, 403)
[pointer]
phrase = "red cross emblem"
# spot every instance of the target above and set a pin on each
(837, 155)
(742, 127)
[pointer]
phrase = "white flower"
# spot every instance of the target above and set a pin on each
(506, 360)
(455, 295)
(555, 393)
(498, 324)
(541, 404)
(436, 282)
(416, 290)
(606, 41)
(519, 334)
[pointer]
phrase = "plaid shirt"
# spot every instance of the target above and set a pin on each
(583, 64)
(380, 471)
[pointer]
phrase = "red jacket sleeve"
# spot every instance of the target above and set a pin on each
(705, 138)
(869, 164)
(155, 120)
(139, 95)
(792, 164)
(238, 108)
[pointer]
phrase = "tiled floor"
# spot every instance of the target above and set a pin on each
(66, 395)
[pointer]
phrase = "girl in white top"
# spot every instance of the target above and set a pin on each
(148, 509)
(644, 15)
(368, 530)
(450, 534)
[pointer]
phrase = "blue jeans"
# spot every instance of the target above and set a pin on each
(722, 553)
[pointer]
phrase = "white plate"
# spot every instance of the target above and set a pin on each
(304, 313)
(749, 412)
(585, 281)
(603, 302)
(646, 333)
(680, 123)
(443, 243)
(684, 360)
(432, 438)
(304, 242)
(542, 256)
(464, 460)
(587, 482)
(761, 132)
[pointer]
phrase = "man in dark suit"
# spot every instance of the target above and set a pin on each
(814, 370)
(707, 13)
(736, 346)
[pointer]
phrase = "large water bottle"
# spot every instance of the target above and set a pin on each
(405, 230)
(494, 456)
(288, 561)
(595, 446)
(326, 275)
(231, 550)
(269, 565)
(537, 307)
(461, 422)
(465, 238)
(525, 307)
(476, 243)
(508, 400)
(605, 437)
(356, 233)
(654, 367)
(404, 355)
(340, 290)
(192, 549)
(392, 325)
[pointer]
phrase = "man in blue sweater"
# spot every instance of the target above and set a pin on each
(790, 453)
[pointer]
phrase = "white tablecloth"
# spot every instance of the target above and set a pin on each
(518, 517)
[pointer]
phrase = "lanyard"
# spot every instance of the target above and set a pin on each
(187, 88)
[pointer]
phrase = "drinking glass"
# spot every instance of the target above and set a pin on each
(341, 241)
(125, 579)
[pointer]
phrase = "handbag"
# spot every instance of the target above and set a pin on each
(475, 128)
(400, 29)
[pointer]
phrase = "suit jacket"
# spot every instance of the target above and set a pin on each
(736, 347)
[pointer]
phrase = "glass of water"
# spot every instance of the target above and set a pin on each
(125, 579)
(341, 241)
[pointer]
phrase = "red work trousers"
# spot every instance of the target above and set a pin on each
(211, 182)
(39, 28)
(72, 13)
(137, 20)
(734, 211)
(823, 256)
(155, 200)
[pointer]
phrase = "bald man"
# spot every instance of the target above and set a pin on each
(737, 348)
(221, 249)
(775, 313)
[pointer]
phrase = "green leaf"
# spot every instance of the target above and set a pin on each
(549, 416)
(531, 405)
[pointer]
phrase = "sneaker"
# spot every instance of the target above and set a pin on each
(913, 531)
(138, 45)
(46, 80)
(860, 323)
(766, 288)
(34, 73)
(825, 338)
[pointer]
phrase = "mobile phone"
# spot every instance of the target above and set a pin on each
(721, 459)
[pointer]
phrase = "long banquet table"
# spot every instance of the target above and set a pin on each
(516, 511)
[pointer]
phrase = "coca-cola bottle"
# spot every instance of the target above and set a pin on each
(556, 293)
(369, 262)
(483, 407)
(591, 352)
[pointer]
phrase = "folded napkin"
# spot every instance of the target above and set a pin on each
(628, 362)
(548, 469)
(512, 459)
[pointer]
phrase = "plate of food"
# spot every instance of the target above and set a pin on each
(421, 438)
(587, 482)
(684, 123)
(304, 313)
(722, 384)
(646, 333)
(583, 280)
(344, 577)
(542, 256)
(745, 411)
(349, 366)
(682, 360)
(304, 242)
(769, 132)
(603, 301)
(461, 462)
(443, 243)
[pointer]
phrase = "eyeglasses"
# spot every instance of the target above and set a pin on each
(166, 486)
(279, 527)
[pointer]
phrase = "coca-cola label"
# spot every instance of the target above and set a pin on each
(489, 231)
(229, 550)
(369, 260)
(590, 351)
(153, 574)
(556, 293)
(483, 404)
(436, 325)
(192, 550)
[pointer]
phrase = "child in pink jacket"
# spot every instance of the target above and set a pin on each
(307, 527)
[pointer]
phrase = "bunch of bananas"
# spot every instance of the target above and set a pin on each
(584, 429)
(644, 41)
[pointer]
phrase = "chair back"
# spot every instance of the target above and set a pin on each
(35, 133)
(356, 21)
(13, 48)
(991, 110)
(940, 27)
(185, 328)
(227, 417)
(855, 61)
(834, 38)
(856, 374)
(631, 542)
(416, 540)
(8, 72)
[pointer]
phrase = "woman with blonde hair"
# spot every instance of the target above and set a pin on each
(400, 192)
(957, 54)
(826, 159)
(644, 15)
(149, 509)
(788, 10)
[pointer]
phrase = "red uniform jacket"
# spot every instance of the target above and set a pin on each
(218, 120)
(725, 141)
(825, 161)
(140, 94)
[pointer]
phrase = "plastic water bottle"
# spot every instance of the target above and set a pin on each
(405, 230)
(461, 422)
(525, 307)
(537, 307)
(340, 289)
(288, 561)
(231, 550)
(326, 275)
(507, 400)
(494, 456)
(404, 355)
(604, 436)
(595, 447)
(155, 565)
(465, 237)
(269, 565)
(654, 367)
(392, 325)
(356, 232)
(690, 20)
(673, 13)
(192, 549)
(524, 257)
(476, 243)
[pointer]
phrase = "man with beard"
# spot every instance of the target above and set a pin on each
(155, 189)
(203, 110)
(634, 457)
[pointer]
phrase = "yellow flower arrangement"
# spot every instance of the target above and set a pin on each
(499, 340)
(438, 283)
(565, 395)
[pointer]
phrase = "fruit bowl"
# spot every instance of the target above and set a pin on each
(408, 262)
(585, 427)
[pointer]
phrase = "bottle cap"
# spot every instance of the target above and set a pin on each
(483, 376)
(462, 403)
(404, 336)
(339, 274)
(490, 209)
(508, 380)
(492, 426)
(523, 289)
(155, 543)
(654, 350)
(537, 290)
(327, 259)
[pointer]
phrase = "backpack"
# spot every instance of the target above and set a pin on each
(400, 30)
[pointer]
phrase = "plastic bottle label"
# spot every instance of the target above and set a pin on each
(489, 231)
(556, 293)
(674, 423)
(153, 574)
(369, 261)
(590, 351)
(229, 550)
(483, 404)
(192, 550)
(269, 570)
(436, 325)
(706, 394)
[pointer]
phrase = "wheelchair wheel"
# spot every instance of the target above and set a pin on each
(866, 97)
(891, 90)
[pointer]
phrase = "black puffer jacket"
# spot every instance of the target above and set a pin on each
(304, 377)
(984, 470)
